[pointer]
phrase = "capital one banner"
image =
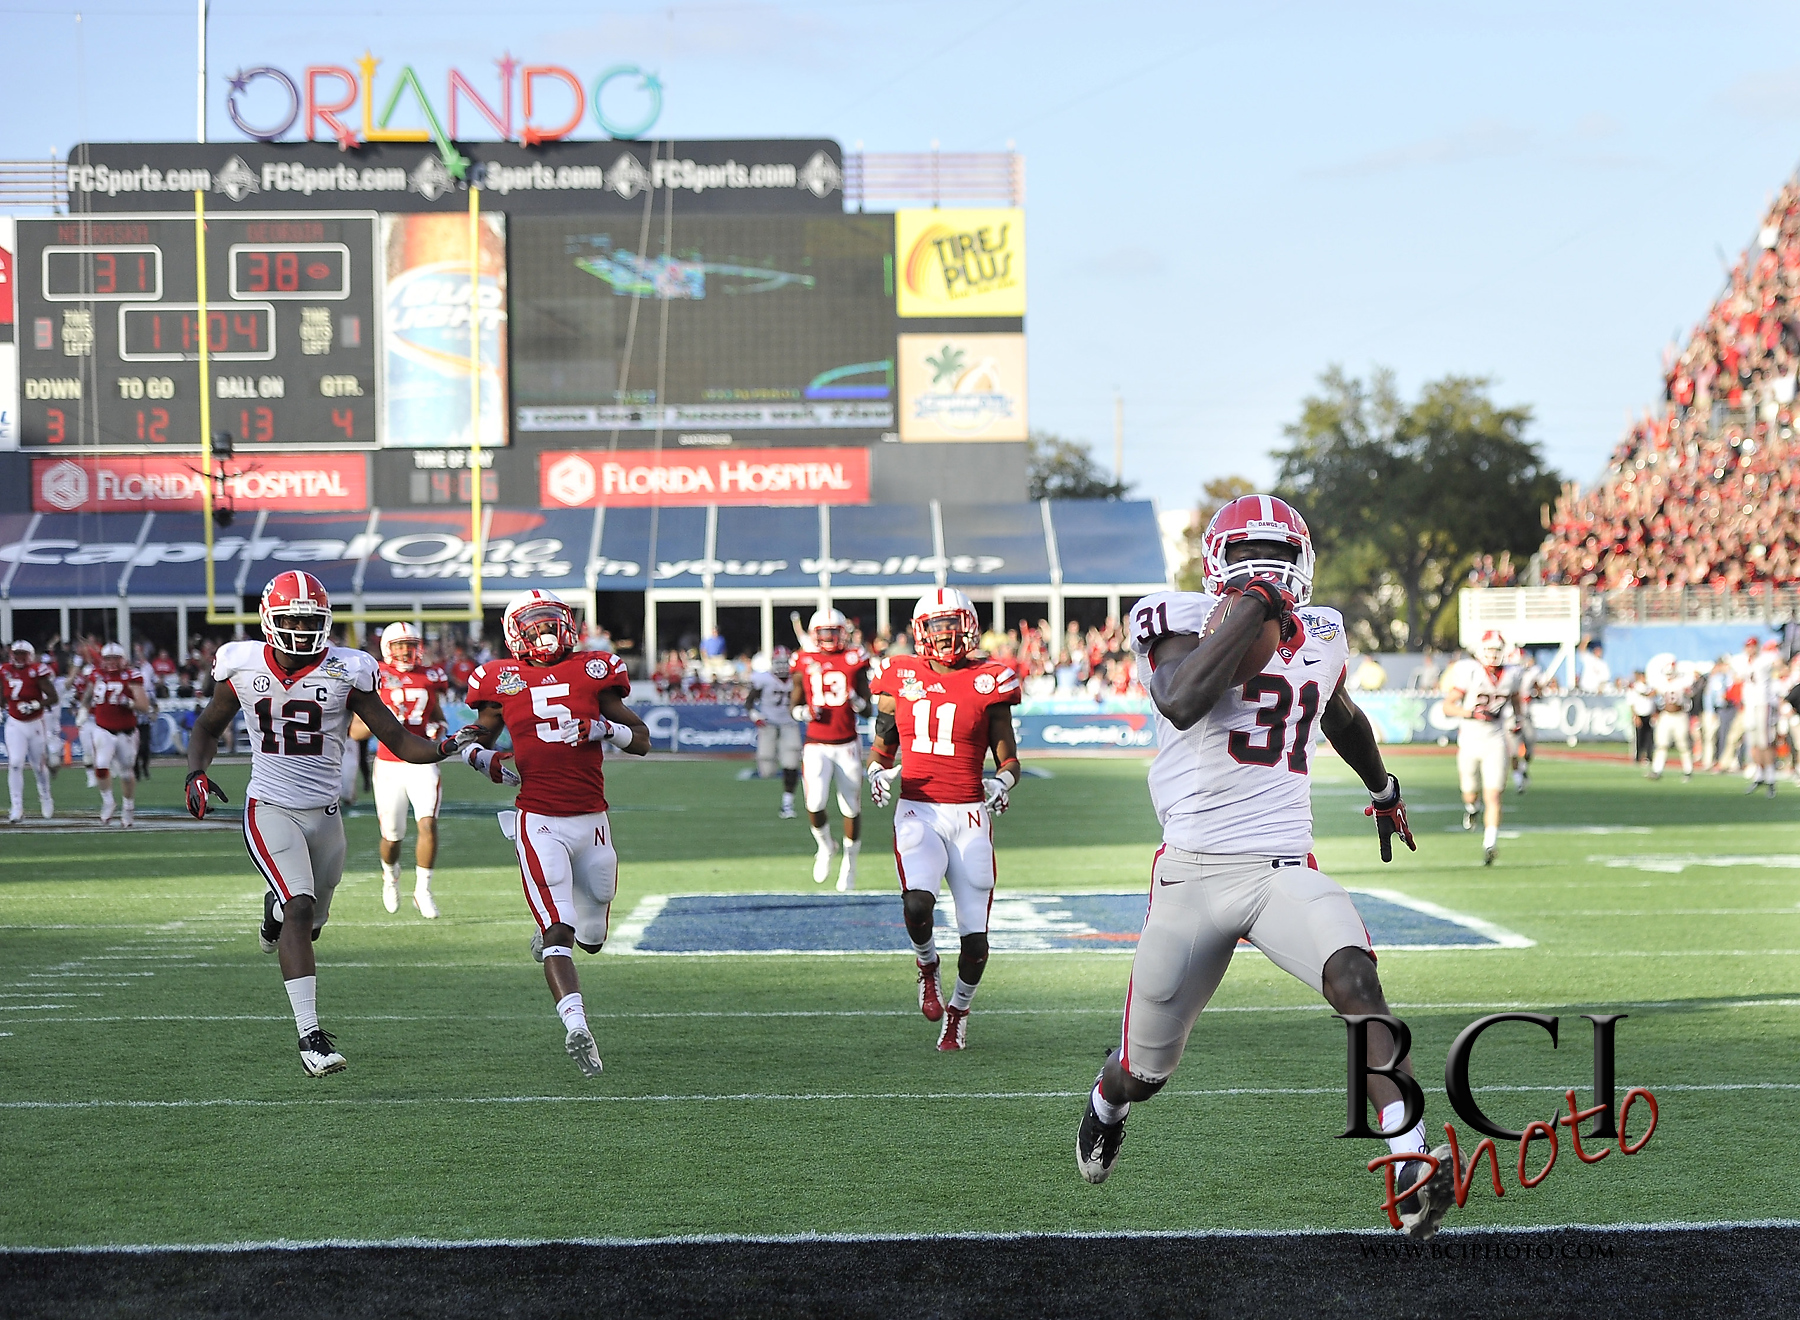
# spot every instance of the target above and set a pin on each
(317, 483)
(581, 479)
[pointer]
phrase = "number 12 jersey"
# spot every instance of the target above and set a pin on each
(296, 722)
(1238, 780)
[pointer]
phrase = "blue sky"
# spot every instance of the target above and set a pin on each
(1223, 200)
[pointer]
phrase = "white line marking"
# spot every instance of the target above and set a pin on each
(631, 930)
(1501, 936)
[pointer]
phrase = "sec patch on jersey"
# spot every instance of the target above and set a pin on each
(1256, 659)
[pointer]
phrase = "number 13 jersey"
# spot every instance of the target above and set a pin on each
(296, 722)
(559, 780)
(1237, 781)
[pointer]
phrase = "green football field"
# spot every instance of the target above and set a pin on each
(150, 1091)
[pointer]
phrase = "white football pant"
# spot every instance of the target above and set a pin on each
(28, 744)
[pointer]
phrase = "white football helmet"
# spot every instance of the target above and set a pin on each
(1491, 649)
(945, 626)
(830, 630)
(402, 645)
(22, 652)
(540, 627)
(112, 657)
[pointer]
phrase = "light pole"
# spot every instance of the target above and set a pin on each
(200, 80)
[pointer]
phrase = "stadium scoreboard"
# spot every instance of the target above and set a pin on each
(110, 331)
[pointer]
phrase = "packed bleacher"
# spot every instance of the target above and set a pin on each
(1700, 492)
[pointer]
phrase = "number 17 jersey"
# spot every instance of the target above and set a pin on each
(1239, 781)
(296, 722)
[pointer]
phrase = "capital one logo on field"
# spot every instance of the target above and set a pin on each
(1462, 1100)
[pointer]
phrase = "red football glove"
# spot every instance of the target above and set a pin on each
(199, 789)
(1390, 819)
(1277, 600)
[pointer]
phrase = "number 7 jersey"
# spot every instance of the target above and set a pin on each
(296, 722)
(1238, 780)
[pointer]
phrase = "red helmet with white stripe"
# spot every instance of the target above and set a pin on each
(296, 613)
(1258, 518)
(944, 626)
(539, 628)
(1491, 649)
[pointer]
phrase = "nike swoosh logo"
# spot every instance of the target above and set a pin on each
(1161, 881)
(1311, 662)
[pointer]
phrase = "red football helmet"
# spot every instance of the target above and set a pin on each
(296, 613)
(944, 626)
(1258, 518)
(830, 630)
(402, 646)
(539, 627)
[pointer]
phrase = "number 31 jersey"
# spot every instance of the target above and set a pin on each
(559, 780)
(296, 722)
(1238, 780)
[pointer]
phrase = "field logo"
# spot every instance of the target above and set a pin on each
(1462, 1099)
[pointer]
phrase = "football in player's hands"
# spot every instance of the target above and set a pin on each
(1261, 649)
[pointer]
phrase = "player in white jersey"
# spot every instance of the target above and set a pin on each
(1673, 693)
(297, 693)
(1527, 679)
(1231, 788)
(1478, 694)
(777, 731)
(1761, 701)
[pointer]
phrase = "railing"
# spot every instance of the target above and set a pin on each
(34, 183)
(1760, 602)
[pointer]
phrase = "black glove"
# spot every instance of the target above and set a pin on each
(1390, 819)
(463, 737)
(199, 789)
(1277, 600)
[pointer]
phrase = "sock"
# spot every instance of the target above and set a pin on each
(787, 801)
(421, 878)
(851, 848)
(570, 1010)
(129, 806)
(964, 996)
(1108, 1112)
(926, 953)
(15, 785)
(43, 781)
(106, 802)
(1410, 1142)
(303, 994)
(1490, 836)
(823, 834)
(390, 872)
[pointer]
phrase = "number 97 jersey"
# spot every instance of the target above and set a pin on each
(295, 722)
(1238, 780)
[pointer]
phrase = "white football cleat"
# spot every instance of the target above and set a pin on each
(847, 877)
(537, 945)
(319, 1055)
(390, 894)
(581, 1048)
(822, 862)
(786, 812)
(1435, 1199)
(128, 816)
(15, 817)
(423, 900)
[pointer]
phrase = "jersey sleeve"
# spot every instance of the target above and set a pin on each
(1166, 614)
(478, 689)
(362, 669)
(231, 659)
(879, 682)
(1007, 690)
(607, 672)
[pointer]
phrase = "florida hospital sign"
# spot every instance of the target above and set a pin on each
(335, 103)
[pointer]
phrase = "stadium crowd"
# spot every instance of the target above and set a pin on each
(1701, 493)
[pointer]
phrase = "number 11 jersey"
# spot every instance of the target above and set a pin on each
(1238, 781)
(296, 722)
(559, 780)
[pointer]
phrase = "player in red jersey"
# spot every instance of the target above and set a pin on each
(563, 707)
(112, 699)
(944, 710)
(414, 691)
(831, 688)
(28, 686)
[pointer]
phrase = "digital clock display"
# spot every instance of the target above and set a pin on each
(301, 270)
(102, 274)
(169, 332)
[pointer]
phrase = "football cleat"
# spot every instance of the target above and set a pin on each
(786, 812)
(15, 817)
(822, 863)
(269, 936)
(1097, 1145)
(1434, 1199)
(1488, 855)
(537, 945)
(426, 904)
(955, 1032)
(1771, 788)
(319, 1055)
(581, 1048)
(931, 1002)
(847, 880)
(390, 894)
(1468, 818)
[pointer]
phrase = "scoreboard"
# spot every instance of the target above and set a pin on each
(110, 330)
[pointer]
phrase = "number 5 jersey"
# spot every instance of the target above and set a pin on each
(1237, 781)
(559, 780)
(296, 722)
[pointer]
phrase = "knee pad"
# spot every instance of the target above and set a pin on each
(588, 948)
(975, 945)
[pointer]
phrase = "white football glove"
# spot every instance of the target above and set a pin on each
(571, 731)
(802, 714)
(497, 766)
(881, 784)
(997, 788)
(29, 708)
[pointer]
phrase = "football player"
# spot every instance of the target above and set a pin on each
(831, 688)
(1230, 785)
(414, 691)
(298, 694)
(1673, 693)
(1478, 694)
(28, 686)
(563, 708)
(777, 732)
(944, 711)
(112, 699)
(1521, 733)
